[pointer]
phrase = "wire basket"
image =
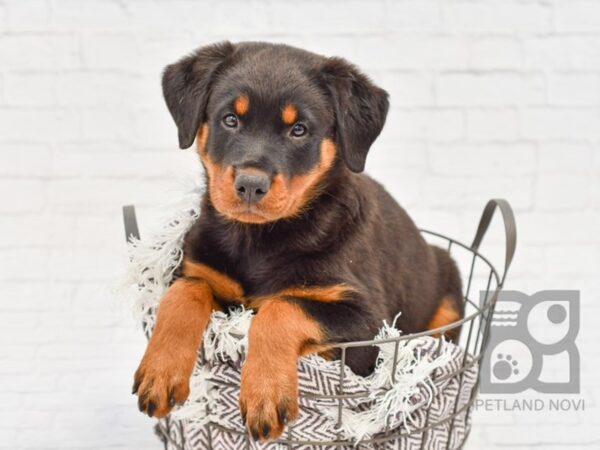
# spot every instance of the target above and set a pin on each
(482, 285)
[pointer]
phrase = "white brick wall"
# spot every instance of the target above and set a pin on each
(489, 98)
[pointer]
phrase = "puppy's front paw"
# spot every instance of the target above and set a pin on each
(268, 399)
(162, 380)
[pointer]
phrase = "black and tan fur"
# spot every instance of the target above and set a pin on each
(289, 226)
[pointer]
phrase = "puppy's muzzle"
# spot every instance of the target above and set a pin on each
(251, 187)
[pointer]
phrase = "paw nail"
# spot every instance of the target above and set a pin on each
(266, 430)
(282, 412)
(151, 408)
(141, 401)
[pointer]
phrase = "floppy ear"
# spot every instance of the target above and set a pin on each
(186, 87)
(360, 110)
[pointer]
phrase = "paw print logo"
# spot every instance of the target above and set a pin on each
(505, 367)
(510, 363)
(530, 336)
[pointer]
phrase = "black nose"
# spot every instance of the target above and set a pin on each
(251, 187)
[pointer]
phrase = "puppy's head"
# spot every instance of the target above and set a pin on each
(271, 122)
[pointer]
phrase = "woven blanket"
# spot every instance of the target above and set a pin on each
(381, 411)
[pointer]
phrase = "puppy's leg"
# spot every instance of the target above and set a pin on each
(162, 379)
(280, 332)
(287, 326)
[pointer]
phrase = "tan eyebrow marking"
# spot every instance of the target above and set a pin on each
(241, 104)
(289, 114)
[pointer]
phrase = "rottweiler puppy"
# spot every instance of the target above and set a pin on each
(289, 227)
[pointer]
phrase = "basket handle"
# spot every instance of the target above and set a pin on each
(510, 228)
(130, 222)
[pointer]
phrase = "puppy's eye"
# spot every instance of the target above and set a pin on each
(230, 121)
(298, 130)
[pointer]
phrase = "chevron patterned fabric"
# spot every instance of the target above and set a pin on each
(211, 418)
